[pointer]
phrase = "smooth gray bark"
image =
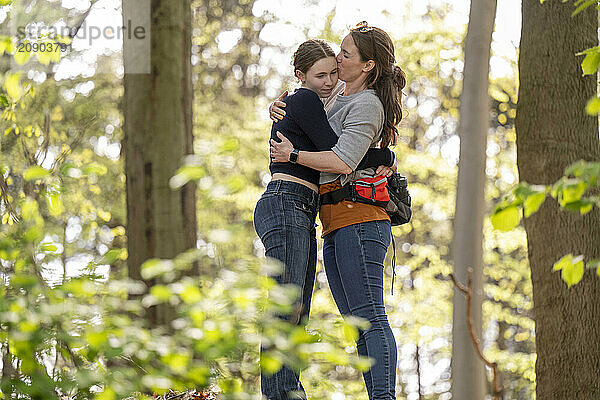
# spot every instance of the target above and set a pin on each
(468, 371)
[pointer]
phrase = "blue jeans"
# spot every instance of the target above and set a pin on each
(284, 219)
(353, 258)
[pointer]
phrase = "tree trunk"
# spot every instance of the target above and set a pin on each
(158, 134)
(552, 132)
(468, 371)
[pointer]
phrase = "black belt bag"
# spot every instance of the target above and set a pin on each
(391, 194)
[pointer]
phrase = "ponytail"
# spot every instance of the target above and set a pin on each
(385, 78)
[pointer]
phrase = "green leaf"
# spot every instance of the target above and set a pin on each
(33, 234)
(590, 63)
(21, 57)
(44, 57)
(112, 256)
(49, 247)
(586, 170)
(533, 203)
(161, 292)
(231, 145)
(593, 264)
(4, 101)
(563, 262)
(593, 106)
(5, 2)
(96, 339)
(269, 363)
(236, 183)
(35, 172)
(350, 332)
(573, 272)
(364, 365)
(29, 210)
(185, 174)
(506, 219)
(21, 281)
(54, 203)
(582, 206)
(107, 394)
(94, 168)
(572, 192)
(191, 294)
(300, 335)
(13, 86)
(583, 6)
(155, 267)
(177, 362)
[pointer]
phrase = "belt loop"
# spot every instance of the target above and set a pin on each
(278, 186)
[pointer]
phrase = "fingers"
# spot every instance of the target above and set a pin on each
(276, 112)
(384, 171)
(282, 137)
(282, 96)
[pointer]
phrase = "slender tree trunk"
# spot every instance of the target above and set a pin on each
(158, 134)
(552, 132)
(468, 371)
(8, 371)
(418, 371)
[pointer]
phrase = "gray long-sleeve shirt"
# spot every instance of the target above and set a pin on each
(358, 121)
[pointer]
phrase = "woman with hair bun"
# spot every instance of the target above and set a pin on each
(357, 235)
(284, 216)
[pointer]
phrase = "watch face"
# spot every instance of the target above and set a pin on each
(294, 155)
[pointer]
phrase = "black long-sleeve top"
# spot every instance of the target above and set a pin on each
(306, 126)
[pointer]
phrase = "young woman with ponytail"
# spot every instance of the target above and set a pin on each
(357, 235)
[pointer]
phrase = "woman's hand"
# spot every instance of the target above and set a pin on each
(276, 109)
(280, 152)
(387, 171)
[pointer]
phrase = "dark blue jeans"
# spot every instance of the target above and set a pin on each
(353, 258)
(284, 219)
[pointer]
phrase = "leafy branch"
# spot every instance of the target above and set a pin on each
(576, 191)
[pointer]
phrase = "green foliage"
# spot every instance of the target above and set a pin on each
(579, 4)
(591, 62)
(571, 269)
(582, 5)
(576, 191)
(84, 338)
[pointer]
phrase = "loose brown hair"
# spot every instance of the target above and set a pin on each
(309, 52)
(386, 78)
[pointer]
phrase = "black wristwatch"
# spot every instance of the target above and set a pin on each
(294, 156)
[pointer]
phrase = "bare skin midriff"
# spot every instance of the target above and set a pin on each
(290, 178)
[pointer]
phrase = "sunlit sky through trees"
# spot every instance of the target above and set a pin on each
(294, 22)
(297, 20)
